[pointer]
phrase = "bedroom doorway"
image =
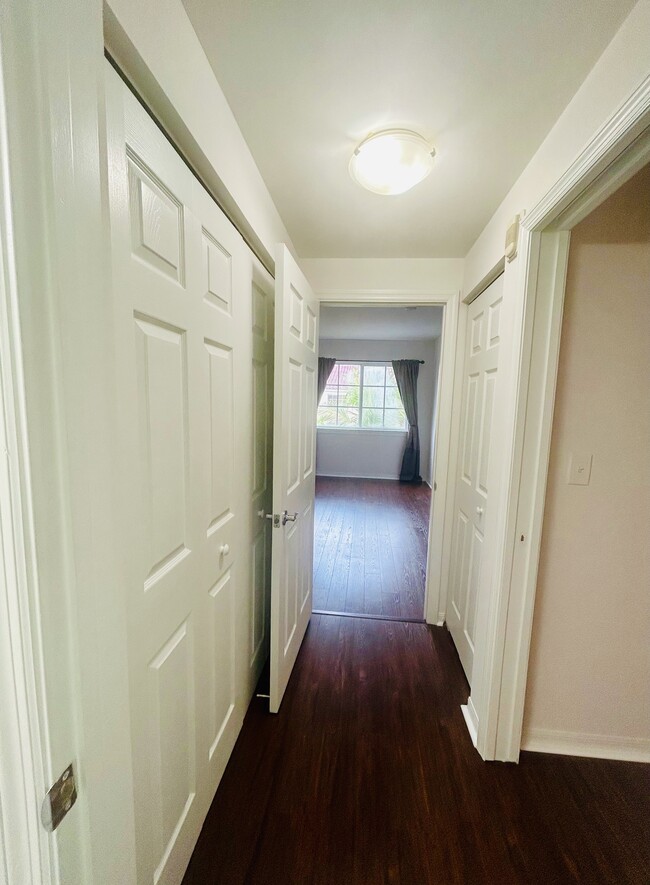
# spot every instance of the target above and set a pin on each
(375, 458)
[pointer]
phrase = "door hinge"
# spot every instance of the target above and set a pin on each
(59, 800)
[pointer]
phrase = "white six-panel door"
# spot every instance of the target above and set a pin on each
(262, 293)
(480, 374)
(184, 343)
(294, 473)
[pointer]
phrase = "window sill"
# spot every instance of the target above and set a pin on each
(389, 430)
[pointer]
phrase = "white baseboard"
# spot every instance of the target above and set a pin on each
(355, 476)
(595, 746)
(471, 719)
(358, 476)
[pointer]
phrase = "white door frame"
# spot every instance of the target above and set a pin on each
(55, 234)
(617, 151)
(26, 851)
(440, 516)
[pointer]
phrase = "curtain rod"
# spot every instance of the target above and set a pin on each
(381, 362)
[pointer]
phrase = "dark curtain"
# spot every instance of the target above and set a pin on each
(406, 374)
(325, 366)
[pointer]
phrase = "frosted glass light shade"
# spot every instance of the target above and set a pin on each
(391, 162)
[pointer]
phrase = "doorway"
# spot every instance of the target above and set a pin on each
(373, 501)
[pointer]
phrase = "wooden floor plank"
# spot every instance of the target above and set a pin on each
(367, 776)
(370, 547)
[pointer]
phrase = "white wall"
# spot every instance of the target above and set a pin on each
(619, 71)
(590, 657)
(373, 453)
(174, 75)
(431, 275)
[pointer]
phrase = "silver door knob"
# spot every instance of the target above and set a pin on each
(286, 518)
(224, 550)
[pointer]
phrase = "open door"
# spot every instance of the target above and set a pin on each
(294, 467)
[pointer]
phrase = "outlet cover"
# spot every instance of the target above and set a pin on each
(579, 469)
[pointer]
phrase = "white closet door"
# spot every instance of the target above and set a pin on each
(472, 493)
(177, 266)
(294, 456)
(261, 502)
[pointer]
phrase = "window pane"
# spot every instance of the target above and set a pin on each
(372, 417)
(395, 418)
(326, 417)
(348, 396)
(393, 399)
(334, 375)
(374, 375)
(373, 396)
(348, 374)
(330, 397)
(391, 381)
(348, 417)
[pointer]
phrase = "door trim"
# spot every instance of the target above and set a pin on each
(445, 427)
(617, 151)
(25, 848)
(53, 85)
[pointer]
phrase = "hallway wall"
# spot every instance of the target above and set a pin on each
(590, 657)
(435, 276)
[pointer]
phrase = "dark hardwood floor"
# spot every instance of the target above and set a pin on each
(370, 547)
(367, 776)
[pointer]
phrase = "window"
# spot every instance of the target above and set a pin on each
(362, 395)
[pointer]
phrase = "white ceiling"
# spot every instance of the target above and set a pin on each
(484, 81)
(380, 323)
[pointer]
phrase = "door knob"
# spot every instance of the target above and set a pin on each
(479, 510)
(286, 518)
(224, 550)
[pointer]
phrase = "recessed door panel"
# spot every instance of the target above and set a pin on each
(217, 266)
(160, 355)
(156, 221)
(222, 623)
(220, 409)
(172, 680)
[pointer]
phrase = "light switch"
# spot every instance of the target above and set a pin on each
(579, 469)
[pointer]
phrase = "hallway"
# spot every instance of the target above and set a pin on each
(370, 547)
(367, 776)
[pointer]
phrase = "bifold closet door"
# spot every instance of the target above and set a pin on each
(473, 496)
(179, 286)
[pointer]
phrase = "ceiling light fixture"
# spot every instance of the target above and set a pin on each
(392, 161)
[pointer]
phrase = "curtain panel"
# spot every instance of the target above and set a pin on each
(406, 374)
(325, 366)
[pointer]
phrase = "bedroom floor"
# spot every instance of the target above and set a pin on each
(370, 547)
(367, 776)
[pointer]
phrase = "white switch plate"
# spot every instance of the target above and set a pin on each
(579, 469)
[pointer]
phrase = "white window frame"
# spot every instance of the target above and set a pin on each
(359, 426)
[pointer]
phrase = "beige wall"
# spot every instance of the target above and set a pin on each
(590, 657)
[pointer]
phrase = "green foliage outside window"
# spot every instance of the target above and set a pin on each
(361, 395)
